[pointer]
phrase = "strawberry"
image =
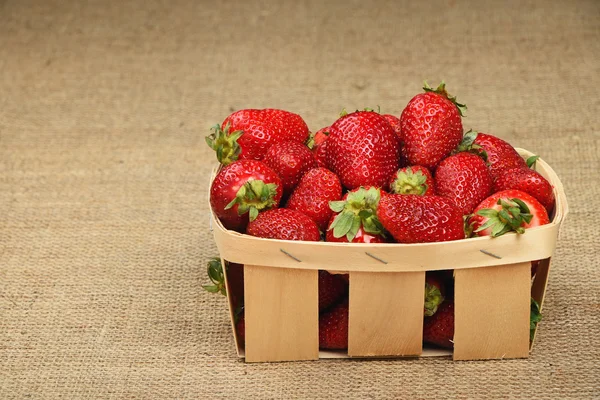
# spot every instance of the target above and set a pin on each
(248, 134)
(332, 287)
(509, 210)
(412, 180)
(528, 181)
(431, 126)
(242, 189)
(435, 290)
(395, 124)
(290, 160)
(356, 212)
(500, 154)
(318, 145)
(311, 197)
(360, 237)
(419, 219)
(439, 328)
(240, 329)
(235, 281)
(284, 224)
(463, 178)
(333, 327)
(362, 149)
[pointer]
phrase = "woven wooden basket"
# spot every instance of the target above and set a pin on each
(492, 291)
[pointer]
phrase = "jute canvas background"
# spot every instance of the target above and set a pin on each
(104, 171)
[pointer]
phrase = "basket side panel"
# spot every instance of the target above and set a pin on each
(281, 314)
(492, 312)
(386, 313)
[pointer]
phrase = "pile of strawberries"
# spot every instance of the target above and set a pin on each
(374, 178)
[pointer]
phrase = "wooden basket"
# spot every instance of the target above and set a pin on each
(492, 291)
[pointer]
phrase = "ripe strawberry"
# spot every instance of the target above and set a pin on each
(395, 123)
(463, 178)
(431, 126)
(332, 287)
(284, 224)
(500, 154)
(333, 327)
(439, 328)
(357, 213)
(435, 290)
(419, 219)
(412, 180)
(290, 160)
(242, 189)
(362, 150)
(528, 181)
(361, 236)
(509, 210)
(240, 329)
(311, 197)
(248, 134)
(318, 145)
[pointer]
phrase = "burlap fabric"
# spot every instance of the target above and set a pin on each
(104, 171)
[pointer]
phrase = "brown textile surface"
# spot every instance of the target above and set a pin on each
(104, 106)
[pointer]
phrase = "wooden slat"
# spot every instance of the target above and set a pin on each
(386, 313)
(281, 313)
(492, 312)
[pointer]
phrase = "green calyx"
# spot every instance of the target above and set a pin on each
(224, 143)
(433, 299)
(511, 217)
(534, 317)
(254, 196)
(409, 182)
(468, 225)
(531, 161)
(214, 270)
(359, 209)
(468, 145)
(441, 89)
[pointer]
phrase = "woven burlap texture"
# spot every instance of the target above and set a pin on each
(104, 232)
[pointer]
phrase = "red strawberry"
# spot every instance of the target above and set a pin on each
(419, 219)
(284, 224)
(235, 281)
(528, 181)
(362, 150)
(463, 178)
(242, 189)
(333, 327)
(332, 287)
(500, 154)
(439, 328)
(435, 290)
(431, 126)
(311, 197)
(318, 145)
(361, 236)
(509, 210)
(357, 213)
(248, 134)
(412, 180)
(240, 330)
(395, 123)
(290, 160)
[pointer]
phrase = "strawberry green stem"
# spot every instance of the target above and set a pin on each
(224, 143)
(409, 182)
(359, 209)
(441, 90)
(254, 196)
(433, 299)
(511, 217)
(214, 270)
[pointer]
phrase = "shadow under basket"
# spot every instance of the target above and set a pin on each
(492, 290)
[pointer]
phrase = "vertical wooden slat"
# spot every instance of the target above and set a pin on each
(386, 313)
(281, 314)
(492, 312)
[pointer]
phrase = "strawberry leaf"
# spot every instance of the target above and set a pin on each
(531, 161)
